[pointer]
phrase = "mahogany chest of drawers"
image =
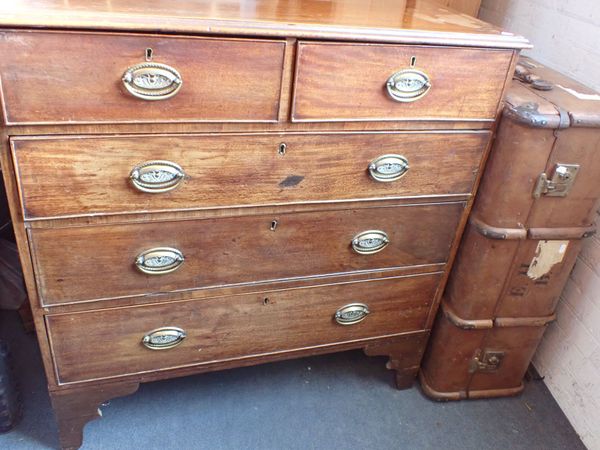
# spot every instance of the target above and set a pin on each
(204, 185)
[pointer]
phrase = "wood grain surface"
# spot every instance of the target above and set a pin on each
(76, 407)
(85, 263)
(414, 21)
(266, 236)
(233, 327)
(79, 176)
(230, 80)
(337, 82)
(470, 7)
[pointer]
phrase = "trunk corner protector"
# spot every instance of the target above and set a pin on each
(529, 114)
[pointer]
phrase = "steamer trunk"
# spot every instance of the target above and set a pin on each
(536, 204)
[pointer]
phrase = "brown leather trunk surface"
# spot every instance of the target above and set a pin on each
(518, 249)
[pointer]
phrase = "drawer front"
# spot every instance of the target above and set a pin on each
(52, 77)
(350, 82)
(79, 176)
(108, 343)
(84, 263)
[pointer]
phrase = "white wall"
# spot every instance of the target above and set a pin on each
(569, 355)
(565, 33)
(566, 36)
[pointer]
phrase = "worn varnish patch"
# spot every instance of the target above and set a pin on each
(547, 255)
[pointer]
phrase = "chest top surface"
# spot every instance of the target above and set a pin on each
(402, 21)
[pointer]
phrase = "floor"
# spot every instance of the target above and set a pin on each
(341, 401)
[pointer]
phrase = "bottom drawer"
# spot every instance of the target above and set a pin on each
(109, 343)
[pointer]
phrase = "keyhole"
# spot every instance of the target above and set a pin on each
(282, 148)
(274, 225)
(413, 61)
(149, 52)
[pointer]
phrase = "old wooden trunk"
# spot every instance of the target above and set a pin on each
(537, 201)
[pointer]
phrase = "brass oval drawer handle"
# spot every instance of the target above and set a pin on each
(408, 85)
(156, 177)
(370, 242)
(159, 261)
(351, 314)
(388, 168)
(152, 81)
(163, 338)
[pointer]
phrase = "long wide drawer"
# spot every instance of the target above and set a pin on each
(76, 77)
(342, 81)
(91, 175)
(110, 342)
(96, 262)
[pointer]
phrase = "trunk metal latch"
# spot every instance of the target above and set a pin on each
(559, 184)
(486, 361)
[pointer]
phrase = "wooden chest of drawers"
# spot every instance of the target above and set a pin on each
(203, 185)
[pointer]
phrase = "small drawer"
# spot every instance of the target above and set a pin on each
(106, 261)
(133, 340)
(337, 82)
(56, 77)
(106, 175)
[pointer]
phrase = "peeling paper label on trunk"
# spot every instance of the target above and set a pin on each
(547, 255)
(580, 95)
